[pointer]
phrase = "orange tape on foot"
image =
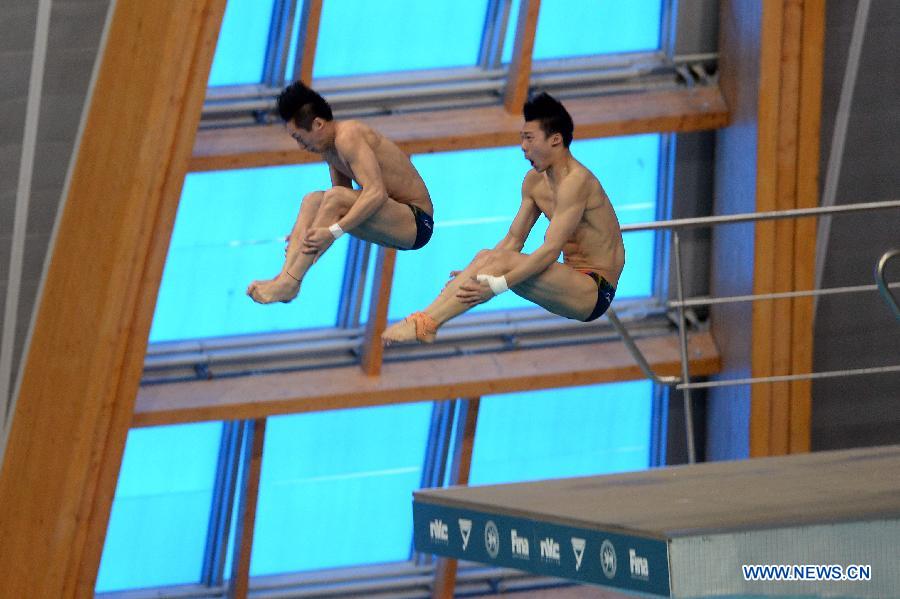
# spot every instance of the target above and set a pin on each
(426, 326)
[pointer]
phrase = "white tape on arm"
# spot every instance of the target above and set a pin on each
(336, 230)
(497, 284)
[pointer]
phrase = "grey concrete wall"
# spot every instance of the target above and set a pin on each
(858, 331)
(75, 32)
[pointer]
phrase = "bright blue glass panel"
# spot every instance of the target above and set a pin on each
(510, 39)
(160, 515)
(290, 65)
(229, 231)
(359, 36)
(628, 169)
(476, 194)
(336, 488)
(585, 27)
(577, 431)
(241, 49)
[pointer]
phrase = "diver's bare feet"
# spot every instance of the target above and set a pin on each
(282, 288)
(418, 326)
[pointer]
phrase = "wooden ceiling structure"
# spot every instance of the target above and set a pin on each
(80, 390)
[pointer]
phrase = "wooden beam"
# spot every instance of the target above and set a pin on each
(679, 111)
(788, 124)
(771, 73)
(417, 380)
(782, 266)
(85, 359)
(198, 73)
(309, 37)
(519, 74)
(765, 251)
(460, 467)
(239, 583)
(811, 72)
(372, 351)
(461, 464)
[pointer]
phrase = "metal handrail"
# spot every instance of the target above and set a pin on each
(682, 337)
(674, 226)
(785, 378)
(706, 221)
(883, 286)
(734, 299)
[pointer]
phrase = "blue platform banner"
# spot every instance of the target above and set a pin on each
(584, 555)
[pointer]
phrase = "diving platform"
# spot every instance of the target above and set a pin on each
(687, 531)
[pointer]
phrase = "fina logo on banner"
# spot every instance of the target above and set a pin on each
(519, 546)
(640, 567)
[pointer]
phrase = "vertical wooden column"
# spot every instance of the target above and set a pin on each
(766, 252)
(81, 372)
(309, 38)
(239, 585)
(771, 60)
(520, 66)
(461, 465)
(812, 55)
(372, 351)
(787, 159)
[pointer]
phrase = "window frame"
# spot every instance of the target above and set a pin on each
(412, 91)
(480, 84)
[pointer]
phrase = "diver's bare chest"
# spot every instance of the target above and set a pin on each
(545, 200)
(339, 165)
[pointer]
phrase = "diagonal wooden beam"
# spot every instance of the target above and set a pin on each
(520, 67)
(84, 362)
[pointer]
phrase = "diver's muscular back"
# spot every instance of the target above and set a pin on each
(401, 180)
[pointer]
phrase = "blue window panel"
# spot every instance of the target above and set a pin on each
(290, 64)
(628, 169)
(510, 40)
(476, 194)
(576, 431)
(241, 49)
(358, 36)
(584, 27)
(229, 231)
(160, 515)
(336, 488)
(368, 284)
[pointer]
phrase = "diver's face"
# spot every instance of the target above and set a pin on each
(310, 140)
(535, 145)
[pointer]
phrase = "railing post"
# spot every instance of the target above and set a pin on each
(682, 335)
